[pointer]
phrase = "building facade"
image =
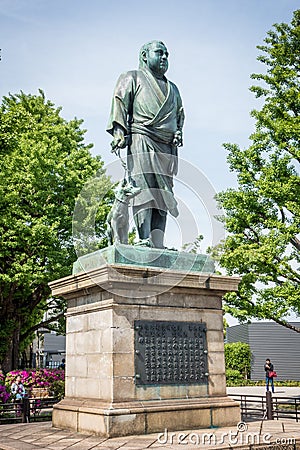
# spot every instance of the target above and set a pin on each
(270, 340)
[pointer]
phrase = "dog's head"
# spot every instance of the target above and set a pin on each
(127, 190)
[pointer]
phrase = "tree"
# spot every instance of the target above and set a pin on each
(262, 215)
(225, 326)
(44, 166)
(238, 358)
(193, 247)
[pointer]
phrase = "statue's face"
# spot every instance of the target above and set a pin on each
(157, 58)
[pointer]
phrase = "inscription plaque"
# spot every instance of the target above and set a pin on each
(170, 352)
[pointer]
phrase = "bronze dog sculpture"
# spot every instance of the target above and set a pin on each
(118, 217)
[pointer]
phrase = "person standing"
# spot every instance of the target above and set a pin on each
(62, 365)
(147, 116)
(18, 392)
(17, 389)
(269, 379)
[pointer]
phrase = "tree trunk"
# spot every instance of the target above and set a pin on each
(11, 359)
(16, 346)
(7, 360)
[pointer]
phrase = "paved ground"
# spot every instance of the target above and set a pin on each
(43, 436)
(280, 391)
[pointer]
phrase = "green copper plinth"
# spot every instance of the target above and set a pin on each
(145, 257)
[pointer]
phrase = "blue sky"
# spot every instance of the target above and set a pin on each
(75, 51)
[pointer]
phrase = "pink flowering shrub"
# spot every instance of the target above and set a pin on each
(4, 394)
(4, 391)
(32, 378)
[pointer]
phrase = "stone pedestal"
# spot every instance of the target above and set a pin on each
(102, 393)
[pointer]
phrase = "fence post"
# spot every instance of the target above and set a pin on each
(269, 404)
(25, 410)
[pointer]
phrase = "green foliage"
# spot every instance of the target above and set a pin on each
(131, 236)
(89, 219)
(237, 360)
(44, 164)
(58, 389)
(263, 212)
(225, 326)
(233, 377)
(193, 247)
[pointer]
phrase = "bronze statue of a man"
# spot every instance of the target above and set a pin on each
(147, 116)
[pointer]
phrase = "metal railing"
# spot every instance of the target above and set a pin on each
(27, 410)
(252, 406)
(286, 408)
(268, 406)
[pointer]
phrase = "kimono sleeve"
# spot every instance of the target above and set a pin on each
(122, 101)
(180, 111)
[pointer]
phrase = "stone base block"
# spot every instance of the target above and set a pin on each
(129, 418)
(112, 389)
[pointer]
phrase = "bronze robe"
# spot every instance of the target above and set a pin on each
(150, 119)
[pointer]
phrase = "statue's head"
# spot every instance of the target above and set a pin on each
(154, 56)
